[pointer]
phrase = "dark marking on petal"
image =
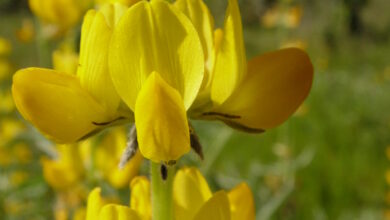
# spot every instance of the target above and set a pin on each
(107, 122)
(242, 127)
(224, 115)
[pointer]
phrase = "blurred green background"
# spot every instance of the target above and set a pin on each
(328, 161)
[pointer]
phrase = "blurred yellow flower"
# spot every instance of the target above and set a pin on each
(22, 153)
(5, 68)
(107, 156)
(387, 177)
(192, 197)
(5, 47)
(6, 102)
(280, 16)
(26, 32)
(65, 60)
(63, 13)
(18, 177)
(65, 171)
(10, 128)
(294, 43)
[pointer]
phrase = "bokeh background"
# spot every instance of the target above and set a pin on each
(328, 161)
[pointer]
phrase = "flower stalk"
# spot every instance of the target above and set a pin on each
(162, 191)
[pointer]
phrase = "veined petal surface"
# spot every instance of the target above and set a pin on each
(161, 121)
(93, 64)
(276, 84)
(216, 208)
(242, 205)
(56, 104)
(155, 36)
(230, 64)
(190, 192)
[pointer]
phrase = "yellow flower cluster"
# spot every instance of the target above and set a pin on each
(193, 200)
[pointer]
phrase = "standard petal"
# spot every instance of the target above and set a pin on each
(216, 208)
(56, 104)
(94, 204)
(190, 192)
(117, 212)
(140, 200)
(276, 84)
(241, 203)
(161, 121)
(93, 64)
(201, 18)
(230, 63)
(151, 37)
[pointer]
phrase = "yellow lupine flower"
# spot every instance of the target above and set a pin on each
(166, 62)
(108, 154)
(192, 197)
(66, 107)
(63, 13)
(64, 172)
(167, 75)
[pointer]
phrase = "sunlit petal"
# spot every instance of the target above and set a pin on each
(190, 192)
(216, 208)
(230, 64)
(241, 203)
(155, 36)
(93, 63)
(94, 204)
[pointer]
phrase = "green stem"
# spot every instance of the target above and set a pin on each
(162, 195)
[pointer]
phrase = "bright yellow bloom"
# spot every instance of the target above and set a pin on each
(63, 13)
(171, 66)
(192, 197)
(66, 107)
(107, 156)
(166, 63)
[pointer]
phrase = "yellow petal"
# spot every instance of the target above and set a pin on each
(117, 212)
(241, 203)
(140, 200)
(230, 64)
(113, 12)
(155, 36)
(190, 192)
(216, 208)
(276, 84)
(93, 64)
(161, 121)
(200, 16)
(56, 104)
(94, 204)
